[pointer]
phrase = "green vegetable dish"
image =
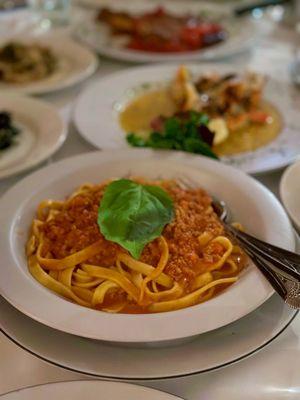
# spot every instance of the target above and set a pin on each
(8, 131)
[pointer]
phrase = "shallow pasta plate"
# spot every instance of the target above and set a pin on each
(36, 141)
(106, 99)
(74, 64)
(243, 195)
(242, 33)
(94, 390)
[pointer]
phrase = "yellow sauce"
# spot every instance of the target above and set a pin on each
(253, 136)
(139, 113)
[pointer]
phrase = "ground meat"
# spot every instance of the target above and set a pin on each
(75, 227)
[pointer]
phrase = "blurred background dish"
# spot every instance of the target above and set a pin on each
(239, 34)
(103, 104)
(35, 140)
(57, 64)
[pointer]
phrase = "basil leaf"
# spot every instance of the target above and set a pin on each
(133, 215)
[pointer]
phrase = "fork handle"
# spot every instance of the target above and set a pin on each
(290, 257)
(271, 276)
(278, 264)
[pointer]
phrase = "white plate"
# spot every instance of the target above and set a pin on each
(289, 189)
(208, 352)
(42, 133)
(242, 193)
(243, 33)
(75, 64)
(92, 390)
(97, 110)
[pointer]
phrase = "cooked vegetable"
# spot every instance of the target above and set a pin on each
(133, 215)
(185, 131)
(219, 128)
(7, 130)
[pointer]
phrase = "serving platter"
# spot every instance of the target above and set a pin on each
(243, 33)
(242, 193)
(36, 141)
(101, 103)
(94, 390)
(75, 64)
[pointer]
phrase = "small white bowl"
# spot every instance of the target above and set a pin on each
(289, 190)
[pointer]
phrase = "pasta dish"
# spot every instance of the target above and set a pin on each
(133, 246)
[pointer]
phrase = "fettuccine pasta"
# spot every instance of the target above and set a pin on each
(192, 261)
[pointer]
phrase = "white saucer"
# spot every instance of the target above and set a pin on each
(208, 352)
(290, 192)
(42, 133)
(93, 390)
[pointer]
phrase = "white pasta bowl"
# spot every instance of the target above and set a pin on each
(250, 203)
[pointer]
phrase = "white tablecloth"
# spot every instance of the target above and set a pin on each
(271, 374)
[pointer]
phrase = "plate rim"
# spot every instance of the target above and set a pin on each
(88, 381)
(165, 377)
(283, 189)
(61, 137)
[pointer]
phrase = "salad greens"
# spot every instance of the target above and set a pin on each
(184, 131)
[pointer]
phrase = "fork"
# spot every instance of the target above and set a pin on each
(279, 266)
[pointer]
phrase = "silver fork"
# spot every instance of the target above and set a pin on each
(279, 266)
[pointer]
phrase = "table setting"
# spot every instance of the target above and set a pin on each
(149, 183)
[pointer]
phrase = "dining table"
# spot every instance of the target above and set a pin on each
(273, 372)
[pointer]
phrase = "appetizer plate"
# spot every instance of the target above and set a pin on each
(93, 390)
(75, 64)
(100, 106)
(242, 193)
(243, 33)
(289, 192)
(207, 352)
(37, 140)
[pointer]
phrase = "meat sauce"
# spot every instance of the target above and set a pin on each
(75, 227)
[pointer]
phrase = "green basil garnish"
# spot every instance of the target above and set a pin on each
(133, 215)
